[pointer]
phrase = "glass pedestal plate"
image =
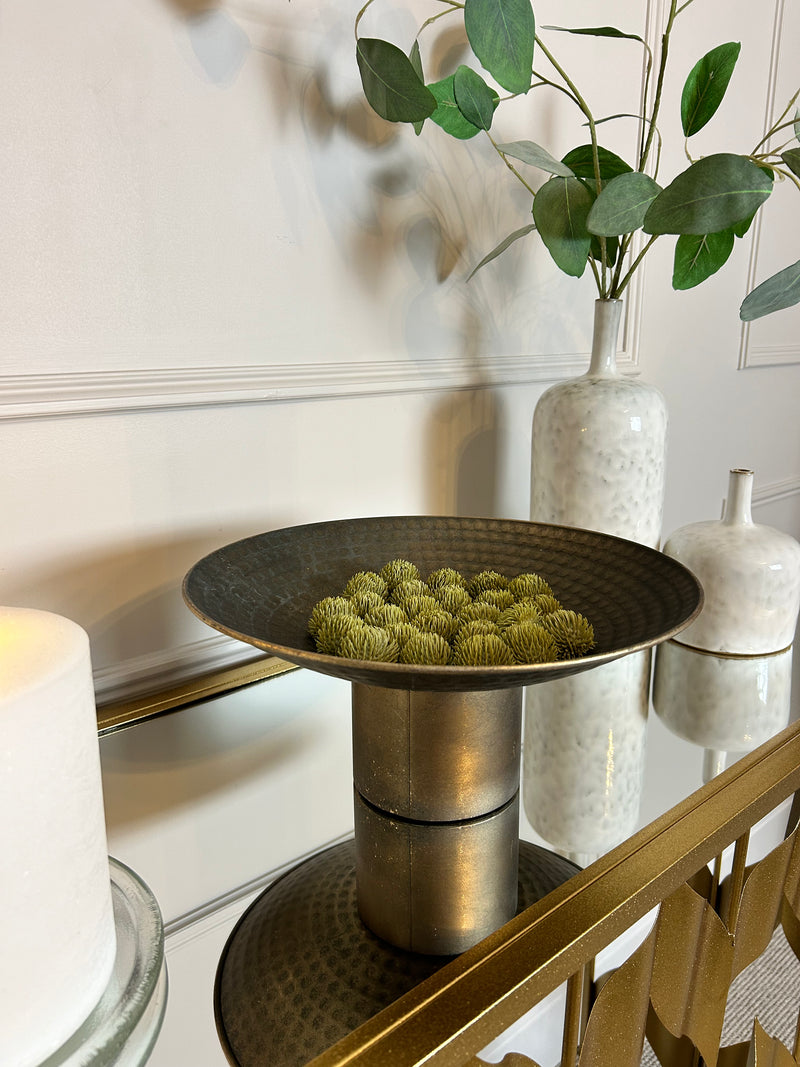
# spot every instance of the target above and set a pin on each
(436, 864)
(122, 1029)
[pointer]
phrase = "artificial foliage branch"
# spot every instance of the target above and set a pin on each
(591, 202)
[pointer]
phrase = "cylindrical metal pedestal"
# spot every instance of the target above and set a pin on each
(436, 814)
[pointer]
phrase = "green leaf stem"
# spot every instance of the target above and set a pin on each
(474, 99)
(697, 258)
(560, 209)
(536, 156)
(780, 291)
(391, 84)
(711, 195)
(622, 204)
(705, 87)
(501, 33)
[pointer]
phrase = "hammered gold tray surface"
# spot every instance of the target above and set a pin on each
(261, 589)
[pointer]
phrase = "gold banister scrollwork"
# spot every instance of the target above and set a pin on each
(673, 988)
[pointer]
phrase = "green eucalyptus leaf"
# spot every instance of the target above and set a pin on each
(447, 113)
(504, 244)
(474, 99)
(780, 291)
(622, 204)
(415, 58)
(706, 85)
(536, 156)
(797, 124)
(792, 160)
(501, 33)
(711, 195)
(560, 209)
(698, 257)
(581, 162)
(391, 85)
(596, 31)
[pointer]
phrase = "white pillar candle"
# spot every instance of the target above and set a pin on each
(57, 936)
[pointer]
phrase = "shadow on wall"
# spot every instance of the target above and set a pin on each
(464, 454)
(126, 596)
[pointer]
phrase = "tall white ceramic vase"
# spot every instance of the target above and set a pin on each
(725, 685)
(598, 462)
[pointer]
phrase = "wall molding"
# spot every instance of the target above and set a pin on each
(106, 392)
(775, 491)
(754, 355)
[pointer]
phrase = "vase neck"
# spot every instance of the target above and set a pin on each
(607, 314)
(739, 500)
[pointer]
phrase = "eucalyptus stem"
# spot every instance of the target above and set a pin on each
(779, 125)
(510, 166)
(626, 280)
(674, 11)
(584, 107)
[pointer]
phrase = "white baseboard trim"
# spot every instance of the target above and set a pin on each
(225, 909)
(160, 670)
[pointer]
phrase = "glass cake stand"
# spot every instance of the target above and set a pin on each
(436, 863)
(122, 1029)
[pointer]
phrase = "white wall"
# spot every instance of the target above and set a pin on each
(234, 300)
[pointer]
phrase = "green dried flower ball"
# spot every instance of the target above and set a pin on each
(446, 576)
(399, 570)
(425, 648)
(527, 586)
(407, 588)
(402, 631)
(522, 611)
(436, 622)
(547, 604)
(531, 643)
(475, 626)
(366, 582)
(328, 638)
(486, 580)
(326, 609)
(451, 597)
(482, 650)
(572, 633)
(477, 610)
(500, 598)
(365, 602)
(418, 605)
(386, 615)
(369, 642)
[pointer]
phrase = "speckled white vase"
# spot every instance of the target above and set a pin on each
(726, 683)
(599, 446)
(598, 461)
(750, 575)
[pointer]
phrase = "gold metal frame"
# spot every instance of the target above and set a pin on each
(113, 716)
(447, 1019)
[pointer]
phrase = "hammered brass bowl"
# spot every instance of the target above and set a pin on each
(261, 589)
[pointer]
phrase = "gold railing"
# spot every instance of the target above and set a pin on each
(673, 987)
